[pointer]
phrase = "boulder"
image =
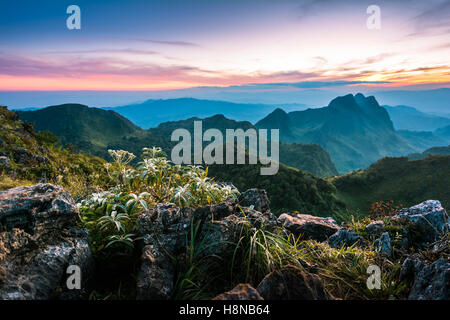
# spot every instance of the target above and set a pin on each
(429, 282)
(164, 229)
(375, 227)
(240, 292)
(256, 199)
(310, 227)
(291, 283)
(383, 244)
(5, 162)
(344, 237)
(429, 216)
(39, 240)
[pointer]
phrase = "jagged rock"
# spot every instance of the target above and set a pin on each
(164, 229)
(222, 225)
(23, 156)
(375, 227)
(5, 162)
(39, 239)
(256, 199)
(310, 227)
(430, 217)
(383, 244)
(430, 282)
(240, 292)
(291, 283)
(343, 237)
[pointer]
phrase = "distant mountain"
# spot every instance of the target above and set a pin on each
(354, 130)
(96, 130)
(406, 182)
(444, 151)
(434, 100)
(153, 112)
(443, 132)
(409, 118)
(310, 158)
(90, 129)
(423, 140)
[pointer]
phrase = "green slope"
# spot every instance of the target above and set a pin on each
(290, 189)
(445, 151)
(405, 182)
(90, 129)
(28, 157)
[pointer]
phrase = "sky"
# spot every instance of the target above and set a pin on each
(167, 45)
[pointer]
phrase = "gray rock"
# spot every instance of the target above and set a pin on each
(5, 162)
(310, 227)
(431, 218)
(291, 283)
(375, 227)
(240, 292)
(164, 229)
(257, 199)
(39, 240)
(25, 157)
(383, 244)
(430, 282)
(344, 237)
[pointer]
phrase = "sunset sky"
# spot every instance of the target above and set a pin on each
(150, 45)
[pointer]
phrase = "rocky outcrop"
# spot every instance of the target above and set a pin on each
(291, 283)
(240, 292)
(256, 199)
(309, 227)
(39, 240)
(25, 157)
(375, 228)
(429, 282)
(164, 230)
(166, 227)
(344, 237)
(383, 244)
(430, 217)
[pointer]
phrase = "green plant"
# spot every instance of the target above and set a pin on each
(111, 215)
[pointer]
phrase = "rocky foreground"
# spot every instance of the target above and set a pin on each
(41, 235)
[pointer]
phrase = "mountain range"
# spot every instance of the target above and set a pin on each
(290, 189)
(409, 118)
(153, 112)
(94, 131)
(354, 130)
(351, 133)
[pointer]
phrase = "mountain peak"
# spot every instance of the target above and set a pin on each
(346, 102)
(279, 111)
